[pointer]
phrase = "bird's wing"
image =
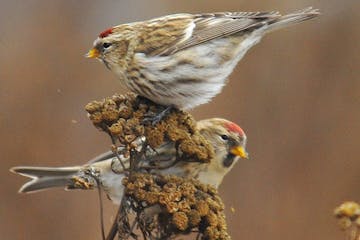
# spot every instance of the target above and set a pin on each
(110, 154)
(163, 154)
(172, 34)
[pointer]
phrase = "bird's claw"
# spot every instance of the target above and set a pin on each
(156, 118)
(153, 120)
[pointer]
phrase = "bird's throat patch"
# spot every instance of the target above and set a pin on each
(229, 159)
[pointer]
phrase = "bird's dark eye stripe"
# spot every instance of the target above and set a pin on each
(106, 45)
(225, 137)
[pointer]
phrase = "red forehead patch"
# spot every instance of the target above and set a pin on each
(232, 127)
(106, 33)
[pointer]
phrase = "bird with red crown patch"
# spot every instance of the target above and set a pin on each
(183, 60)
(227, 139)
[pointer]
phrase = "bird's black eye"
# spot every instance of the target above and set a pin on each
(225, 137)
(106, 45)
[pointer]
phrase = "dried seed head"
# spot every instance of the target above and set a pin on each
(344, 223)
(183, 204)
(348, 209)
(194, 218)
(122, 116)
(180, 220)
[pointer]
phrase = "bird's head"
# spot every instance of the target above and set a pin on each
(111, 47)
(229, 142)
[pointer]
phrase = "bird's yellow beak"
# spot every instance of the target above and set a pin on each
(93, 53)
(239, 151)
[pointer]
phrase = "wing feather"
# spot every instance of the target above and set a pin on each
(209, 26)
(170, 34)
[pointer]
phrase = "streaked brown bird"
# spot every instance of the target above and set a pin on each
(183, 60)
(227, 139)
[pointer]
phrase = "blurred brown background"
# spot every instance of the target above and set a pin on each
(297, 95)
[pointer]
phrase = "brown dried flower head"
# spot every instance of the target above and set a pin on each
(185, 207)
(348, 214)
(122, 117)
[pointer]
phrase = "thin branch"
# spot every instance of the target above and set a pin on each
(114, 227)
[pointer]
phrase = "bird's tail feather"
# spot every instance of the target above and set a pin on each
(45, 177)
(293, 18)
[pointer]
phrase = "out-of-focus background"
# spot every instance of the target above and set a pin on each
(296, 94)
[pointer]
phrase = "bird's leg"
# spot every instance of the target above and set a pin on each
(159, 116)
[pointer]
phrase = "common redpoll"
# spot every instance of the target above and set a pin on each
(227, 138)
(183, 60)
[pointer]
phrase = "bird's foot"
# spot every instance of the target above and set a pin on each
(155, 119)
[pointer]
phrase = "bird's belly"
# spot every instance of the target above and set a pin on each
(189, 77)
(112, 184)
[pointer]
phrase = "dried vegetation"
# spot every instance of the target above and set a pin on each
(156, 206)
